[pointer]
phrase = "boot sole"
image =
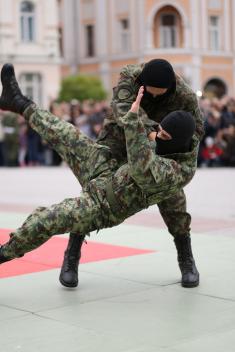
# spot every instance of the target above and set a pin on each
(194, 284)
(66, 284)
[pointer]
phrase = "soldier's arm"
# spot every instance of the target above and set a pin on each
(146, 167)
(124, 94)
(112, 133)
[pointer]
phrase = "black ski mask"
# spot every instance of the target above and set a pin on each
(181, 126)
(160, 74)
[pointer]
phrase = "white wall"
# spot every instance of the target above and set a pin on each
(41, 56)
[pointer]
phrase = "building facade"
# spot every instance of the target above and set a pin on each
(29, 39)
(196, 36)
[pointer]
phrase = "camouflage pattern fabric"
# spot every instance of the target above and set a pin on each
(87, 160)
(173, 210)
(145, 180)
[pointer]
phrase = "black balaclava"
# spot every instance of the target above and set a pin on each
(160, 74)
(181, 126)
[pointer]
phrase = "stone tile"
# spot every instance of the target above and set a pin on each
(160, 317)
(42, 291)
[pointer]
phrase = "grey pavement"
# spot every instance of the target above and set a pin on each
(127, 304)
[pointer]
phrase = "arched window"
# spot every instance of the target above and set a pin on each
(27, 21)
(31, 84)
(168, 31)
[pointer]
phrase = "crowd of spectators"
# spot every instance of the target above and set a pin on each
(218, 145)
(22, 146)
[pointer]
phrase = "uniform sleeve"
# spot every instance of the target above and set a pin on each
(123, 96)
(146, 167)
(112, 133)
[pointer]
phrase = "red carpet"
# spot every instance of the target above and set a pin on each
(50, 255)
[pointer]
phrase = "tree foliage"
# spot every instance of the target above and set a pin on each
(82, 87)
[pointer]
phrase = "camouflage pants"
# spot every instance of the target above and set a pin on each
(87, 159)
(174, 214)
(173, 209)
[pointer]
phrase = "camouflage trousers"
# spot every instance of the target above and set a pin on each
(174, 214)
(172, 209)
(87, 160)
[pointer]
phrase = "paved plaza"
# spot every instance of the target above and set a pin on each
(129, 298)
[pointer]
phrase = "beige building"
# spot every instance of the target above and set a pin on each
(29, 39)
(196, 36)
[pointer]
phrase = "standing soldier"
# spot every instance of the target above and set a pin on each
(165, 92)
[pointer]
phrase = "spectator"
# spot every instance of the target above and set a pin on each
(211, 153)
(228, 137)
(11, 138)
(88, 116)
(22, 141)
(228, 115)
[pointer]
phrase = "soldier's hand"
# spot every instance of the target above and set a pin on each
(135, 106)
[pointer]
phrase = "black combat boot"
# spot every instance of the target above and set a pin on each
(3, 259)
(190, 275)
(72, 255)
(12, 99)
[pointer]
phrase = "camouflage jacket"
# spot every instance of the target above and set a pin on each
(147, 178)
(152, 110)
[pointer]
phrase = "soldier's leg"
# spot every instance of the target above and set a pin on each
(175, 216)
(84, 157)
(70, 144)
(79, 215)
(64, 139)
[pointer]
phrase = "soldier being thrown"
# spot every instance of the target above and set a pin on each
(158, 167)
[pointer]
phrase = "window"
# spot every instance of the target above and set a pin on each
(214, 35)
(31, 84)
(27, 21)
(168, 31)
(124, 35)
(90, 40)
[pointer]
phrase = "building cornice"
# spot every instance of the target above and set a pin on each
(154, 52)
(21, 59)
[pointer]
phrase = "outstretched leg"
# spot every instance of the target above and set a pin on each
(85, 158)
(80, 215)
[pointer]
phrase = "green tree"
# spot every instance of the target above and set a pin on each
(82, 87)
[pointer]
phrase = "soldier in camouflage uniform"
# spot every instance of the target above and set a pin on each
(110, 193)
(165, 92)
